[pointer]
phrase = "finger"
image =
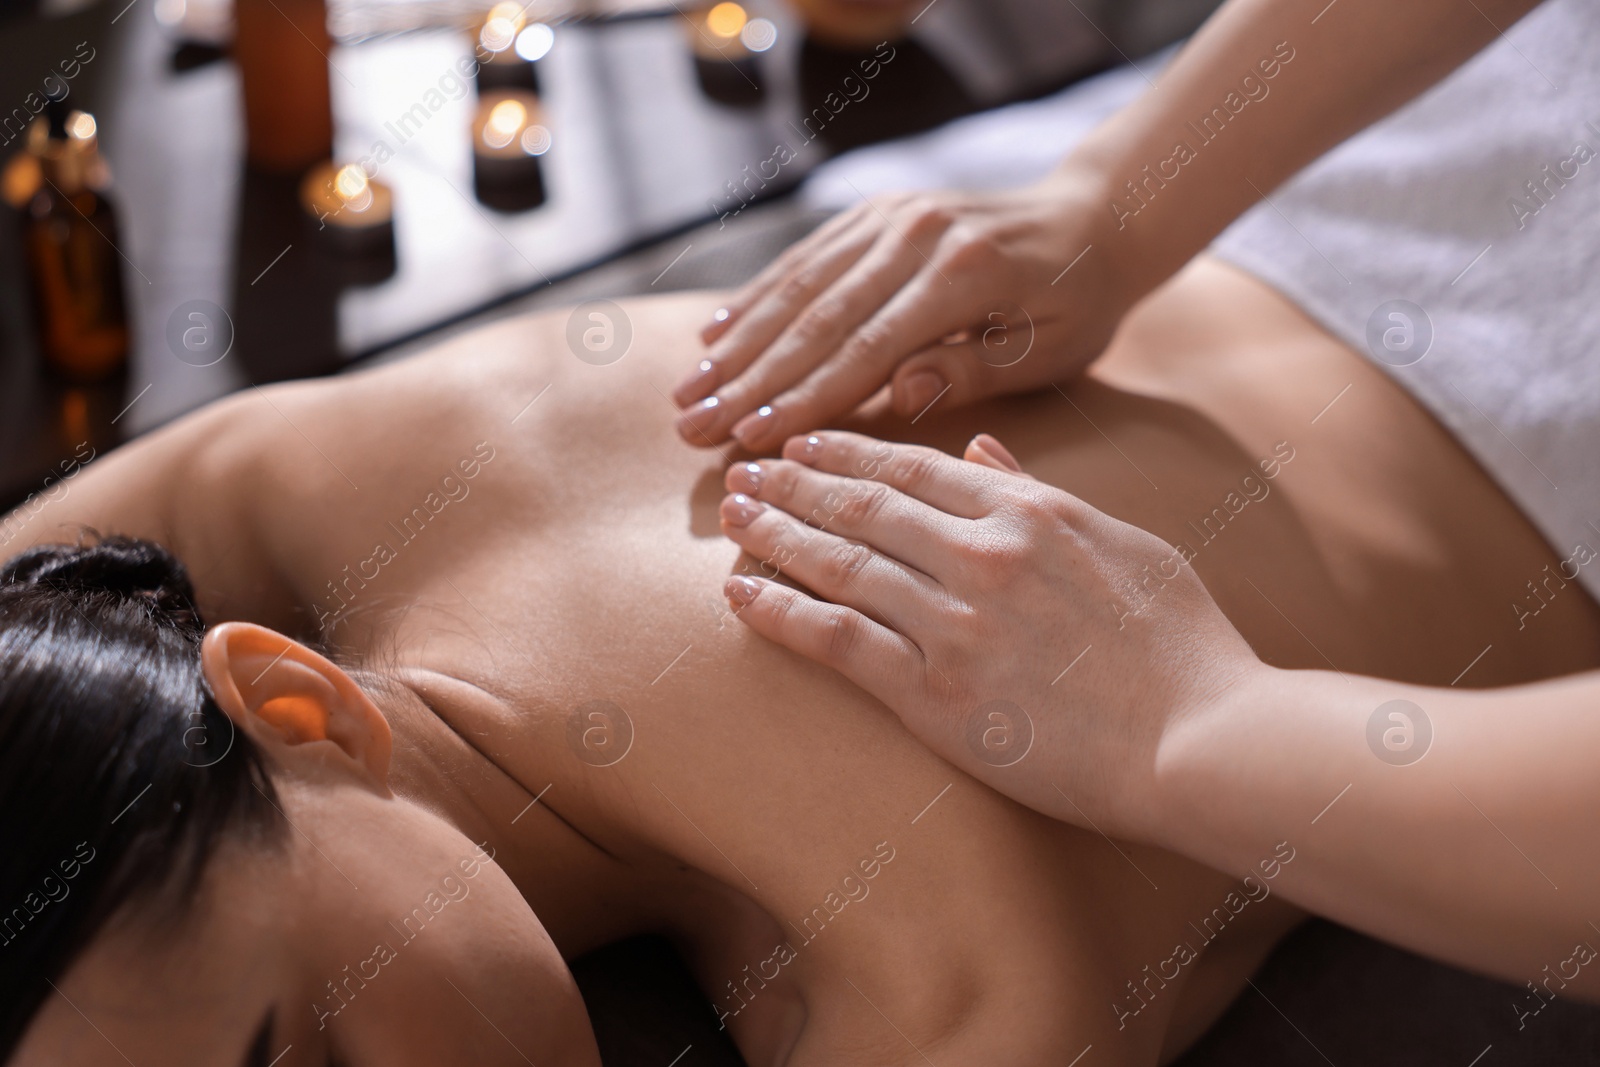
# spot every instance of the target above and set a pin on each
(916, 315)
(882, 518)
(845, 572)
(954, 486)
(721, 319)
(806, 352)
(874, 657)
(755, 326)
(982, 361)
(773, 272)
(991, 453)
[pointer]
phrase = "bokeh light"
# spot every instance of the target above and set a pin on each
(353, 187)
(535, 41)
(506, 120)
(535, 140)
(759, 35)
(726, 20)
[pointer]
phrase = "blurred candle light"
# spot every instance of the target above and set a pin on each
(726, 20)
(508, 45)
(353, 212)
(508, 139)
(500, 28)
(22, 178)
(725, 40)
(506, 121)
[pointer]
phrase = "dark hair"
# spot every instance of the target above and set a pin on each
(119, 775)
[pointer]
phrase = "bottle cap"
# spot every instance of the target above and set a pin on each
(67, 145)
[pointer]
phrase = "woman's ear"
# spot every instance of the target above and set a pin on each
(293, 702)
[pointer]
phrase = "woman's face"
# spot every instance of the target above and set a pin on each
(372, 933)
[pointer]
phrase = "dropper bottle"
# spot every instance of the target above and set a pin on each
(71, 238)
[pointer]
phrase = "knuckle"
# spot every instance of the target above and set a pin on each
(779, 610)
(781, 482)
(927, 213)
(968, 248)
(862, 503)
(870, 341)
(820, 322)
(799, 285)
(912, 470)
(841, 634)
(844, 563)
(1001, 556)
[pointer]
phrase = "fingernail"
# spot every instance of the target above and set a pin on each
(749, 476)
(741, 510)
(697, 383)
(755, 426)
(698, 417)
(997, 450)
(921, 389)
(741, 589)
(720, 315)
(810, 449)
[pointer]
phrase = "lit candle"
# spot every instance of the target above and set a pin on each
(508, 137)
(508, 47)
(725, 41)
(353, 211)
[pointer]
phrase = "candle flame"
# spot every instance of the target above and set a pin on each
(511, 12)
(353, 187)
(497, 35)
(506, 120)
(726, 19)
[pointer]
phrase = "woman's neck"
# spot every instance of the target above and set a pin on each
(584, 896)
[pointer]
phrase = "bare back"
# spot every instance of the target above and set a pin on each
(524, 533)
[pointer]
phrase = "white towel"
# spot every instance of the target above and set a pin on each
(1430, 208)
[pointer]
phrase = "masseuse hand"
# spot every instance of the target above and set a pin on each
(1037, 643)
(949, 296)
(871, 297)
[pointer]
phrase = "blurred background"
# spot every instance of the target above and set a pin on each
(202, 195)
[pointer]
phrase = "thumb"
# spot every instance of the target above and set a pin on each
(955, 373)
(988, 452)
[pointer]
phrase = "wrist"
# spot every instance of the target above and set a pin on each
(1081, 194)
(1198, 770)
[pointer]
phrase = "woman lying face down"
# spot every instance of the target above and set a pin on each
(210, 914)
(222, 848)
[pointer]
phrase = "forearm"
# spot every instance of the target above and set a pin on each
(1265, 87)
(1479, 850)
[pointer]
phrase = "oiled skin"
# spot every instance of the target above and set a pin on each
(584, 564)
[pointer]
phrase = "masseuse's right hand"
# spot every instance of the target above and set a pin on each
(1036, 643)
(946, 296)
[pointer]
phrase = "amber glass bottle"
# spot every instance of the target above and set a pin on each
(71, 235)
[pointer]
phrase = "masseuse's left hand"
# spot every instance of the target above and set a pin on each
(1040, 645)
